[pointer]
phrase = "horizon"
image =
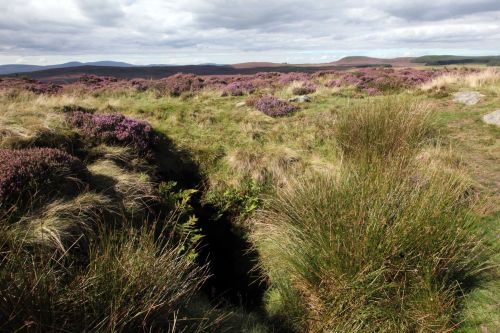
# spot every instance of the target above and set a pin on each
(97, 60)
(144, 32)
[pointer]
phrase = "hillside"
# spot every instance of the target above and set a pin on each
(60, 75)
(348, 201)
(68, 71)
(360, 61)
(440, 60)
(19, 68)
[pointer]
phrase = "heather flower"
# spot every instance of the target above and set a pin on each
(274, 107)
(27, 84)
(383, 79)
(305, 88)
(27, 173)
(372, 91)
(238, 88)
(114, 128)
(177, 84)
(286, 79)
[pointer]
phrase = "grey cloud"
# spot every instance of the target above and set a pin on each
(261, 15)
(441, 9)
(104, 12)
(242, 27)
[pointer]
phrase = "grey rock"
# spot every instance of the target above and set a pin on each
(492, 118)
(240, 104)
(300, 99)
(467, 97)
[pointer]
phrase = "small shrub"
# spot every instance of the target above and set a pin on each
(37, 172)
(239, 88)
(288, 78)
(180, 83)
(304, 89)
(274, 107)
(115, 129)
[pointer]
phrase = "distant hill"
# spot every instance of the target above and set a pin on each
(358, 61)
(63, 75)
(70, 71)
(365, 61)
(258, 64)
(20, 68)
(439, 60)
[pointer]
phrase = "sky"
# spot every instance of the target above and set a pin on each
(232, 31)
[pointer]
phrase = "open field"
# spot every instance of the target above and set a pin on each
(232, 203)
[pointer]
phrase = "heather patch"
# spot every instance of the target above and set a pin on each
(28, 173)
(180, 83)
(34, 86)
(94, 83)
(274, 107)
(304, 88)
(375, 80)
(288, 78)
(114, 129)
(238, 88)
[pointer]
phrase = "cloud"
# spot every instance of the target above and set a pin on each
(439, 9)
(102, 12)
(242, 30)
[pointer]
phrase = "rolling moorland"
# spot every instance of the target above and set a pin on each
(353, 200)
(71, 71)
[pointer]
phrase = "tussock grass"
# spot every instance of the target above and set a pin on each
(378, 249)
(132, 282)
(62, 225)
(384, 128)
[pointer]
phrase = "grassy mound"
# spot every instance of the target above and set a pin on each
(384, 250)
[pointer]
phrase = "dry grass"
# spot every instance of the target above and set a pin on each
(64, 224)
(135, 190)
(275, 164)
(486, 77)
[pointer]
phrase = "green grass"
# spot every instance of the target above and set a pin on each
(347, 185)
(389, 244)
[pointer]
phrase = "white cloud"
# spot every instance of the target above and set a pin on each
(166, 31)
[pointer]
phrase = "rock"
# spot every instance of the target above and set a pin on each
(467, 97)
(300, 99)
(240, 104)
(492, 118)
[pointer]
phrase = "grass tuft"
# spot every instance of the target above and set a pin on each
(376, 249)
(386, 127)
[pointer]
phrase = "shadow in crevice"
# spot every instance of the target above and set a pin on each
(235, 278)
